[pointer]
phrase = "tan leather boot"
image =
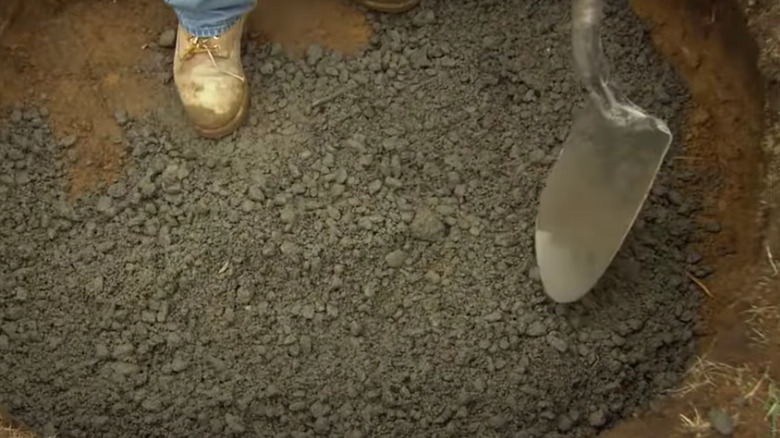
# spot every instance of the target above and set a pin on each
(211, 82)
(389, 5)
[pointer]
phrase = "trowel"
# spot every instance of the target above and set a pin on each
(602, 176)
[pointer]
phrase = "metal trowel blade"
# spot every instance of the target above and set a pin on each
(593, 195)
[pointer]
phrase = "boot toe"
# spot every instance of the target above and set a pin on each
(215, 105)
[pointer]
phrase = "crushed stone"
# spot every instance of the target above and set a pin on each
(356, 261)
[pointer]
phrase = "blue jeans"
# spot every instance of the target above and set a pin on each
(208, 18)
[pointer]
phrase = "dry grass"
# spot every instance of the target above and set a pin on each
(705, 373)
(756, 393)
(695, 425)
(763, 322)
(8, 432)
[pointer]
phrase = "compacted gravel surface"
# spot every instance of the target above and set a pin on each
(356, 261)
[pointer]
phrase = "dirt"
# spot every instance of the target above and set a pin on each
(732, 82)
(298, 24)
(356, 261)
(84, 60)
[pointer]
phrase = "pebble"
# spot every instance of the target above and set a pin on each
(68, 141)
(433, 277)
(557, 343)
(721, 422)
(308, 311)
(101, 351)
(494, 316)
(426, 226)
(104, 206)
(121, 117)
(244, 295)
(505, 240)
(598, 418)
(536, 329)
(234, 423)
(167, 39)
(178, 365)
(396, 258)
(126, 369)
(255, 193)
(374, 186)
(313, 54)
(498, 422)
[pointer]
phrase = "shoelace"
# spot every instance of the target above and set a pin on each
(206, 45)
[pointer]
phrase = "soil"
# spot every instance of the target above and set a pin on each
(728, 120)
(356, 261)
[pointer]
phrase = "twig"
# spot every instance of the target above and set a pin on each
(334, 96)
(696, 425)
(224, 267)
(752, 393)
(771, 259)
(686, 158)
(700, 284)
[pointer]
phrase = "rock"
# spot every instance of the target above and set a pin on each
(721, 422)
(374, 186)
(494, 316)
(307, 312)
(167, 39)
(598, 418)
(244, 295)
(498, 422)
(68, 141)
(426, 226)
(419, 59)
(536, 329)
(126, 369)
(104, 205)
(313, 54)
(178, 365)
(321, 426)
(396, 258)
(433, 277)
(255, 193)
(120, 116)
(234, 424)
(557, 343)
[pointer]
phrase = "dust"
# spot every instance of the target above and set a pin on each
(356, 261)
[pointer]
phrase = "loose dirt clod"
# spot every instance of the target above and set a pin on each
(359, 268)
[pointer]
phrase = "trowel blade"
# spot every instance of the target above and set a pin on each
(592, 197)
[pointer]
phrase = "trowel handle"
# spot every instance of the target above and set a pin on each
(589, 58)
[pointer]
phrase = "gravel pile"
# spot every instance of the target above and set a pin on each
(356, 262)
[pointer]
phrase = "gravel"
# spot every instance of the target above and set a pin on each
(167, 39)
(359, 267)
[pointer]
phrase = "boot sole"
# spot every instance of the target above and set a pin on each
(391, 7)
(230, 127)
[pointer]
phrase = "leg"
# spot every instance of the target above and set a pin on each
(210, 18)
(207, 64)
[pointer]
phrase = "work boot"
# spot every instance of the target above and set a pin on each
(389, 5)
(211, 82)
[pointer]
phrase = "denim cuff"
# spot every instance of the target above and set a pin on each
(198, 29)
